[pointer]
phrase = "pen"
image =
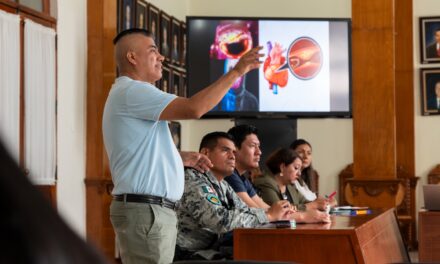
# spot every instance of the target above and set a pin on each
(331, 195)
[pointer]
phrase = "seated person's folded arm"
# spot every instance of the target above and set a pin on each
(260, 203)
(244, 196)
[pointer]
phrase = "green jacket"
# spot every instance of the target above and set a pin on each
(270, 193)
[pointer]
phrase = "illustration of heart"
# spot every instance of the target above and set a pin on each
(271, 68)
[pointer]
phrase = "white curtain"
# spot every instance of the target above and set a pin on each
(10, 82)
(39, 86)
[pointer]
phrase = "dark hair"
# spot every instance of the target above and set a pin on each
(209, 141)
(32, 231)
(306, 173)
(281, 156)
(240, 132)
(299, 142)
(132, 31)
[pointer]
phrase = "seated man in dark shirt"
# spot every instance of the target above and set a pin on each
(247, 156)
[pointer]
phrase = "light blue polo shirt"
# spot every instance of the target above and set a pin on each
(143, 157)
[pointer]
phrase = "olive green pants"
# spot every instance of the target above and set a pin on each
(146, 233)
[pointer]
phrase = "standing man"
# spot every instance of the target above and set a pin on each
(147, 171)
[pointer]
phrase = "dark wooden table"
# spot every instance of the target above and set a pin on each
(373, 238)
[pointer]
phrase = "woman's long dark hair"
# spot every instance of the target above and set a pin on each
(307, 174)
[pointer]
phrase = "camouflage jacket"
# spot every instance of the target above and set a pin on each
(209, 208)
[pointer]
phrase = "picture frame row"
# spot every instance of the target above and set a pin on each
(173, 82)
(169, 32)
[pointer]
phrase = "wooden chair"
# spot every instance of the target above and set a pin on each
(406, 211)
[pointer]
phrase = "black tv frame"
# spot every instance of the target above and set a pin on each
(276, 114)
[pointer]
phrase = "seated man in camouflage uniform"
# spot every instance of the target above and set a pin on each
(210, 208)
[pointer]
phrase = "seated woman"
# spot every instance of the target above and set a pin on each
(285, 167)
(309, 177)
(307, 184)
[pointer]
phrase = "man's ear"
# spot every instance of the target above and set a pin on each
(204, 151)
(131, 57)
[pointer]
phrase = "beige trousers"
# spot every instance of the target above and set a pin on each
(146, 233)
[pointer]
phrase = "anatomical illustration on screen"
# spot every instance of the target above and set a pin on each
(232, 40)
(305, 65)
(295, 72)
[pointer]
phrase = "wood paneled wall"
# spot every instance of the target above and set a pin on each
(373, 89)
(383, 101)
(101, 72)
(404, 86)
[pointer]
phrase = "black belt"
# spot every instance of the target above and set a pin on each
(150, 199)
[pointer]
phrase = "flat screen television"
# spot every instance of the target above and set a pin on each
(306, 70)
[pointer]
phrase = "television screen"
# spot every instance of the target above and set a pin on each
(305, 70)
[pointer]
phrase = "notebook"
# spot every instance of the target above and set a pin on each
(431, 195)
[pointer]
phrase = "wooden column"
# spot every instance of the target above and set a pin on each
(101, 29)
(383, 101)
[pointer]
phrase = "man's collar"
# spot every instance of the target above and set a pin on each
(241, 175)
(211, 176)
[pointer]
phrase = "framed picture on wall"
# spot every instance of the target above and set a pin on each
(175, 129)
(126, 15)
(175, 41)
(430, 93)
(183, 43)
(141, 14)
(165, 82)
(176, 75)
(430, 39)
(165, 34)
(153, 22)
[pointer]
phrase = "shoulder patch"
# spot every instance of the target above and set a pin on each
(207, 189)
(213, 199)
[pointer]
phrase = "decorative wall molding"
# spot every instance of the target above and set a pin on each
(374, 187)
